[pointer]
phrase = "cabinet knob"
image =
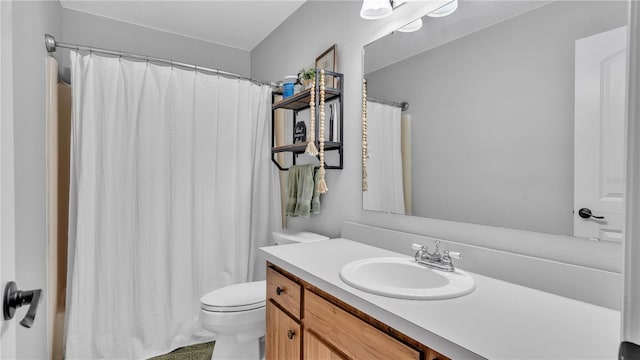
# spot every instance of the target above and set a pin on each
(290, 334)
(279, 290)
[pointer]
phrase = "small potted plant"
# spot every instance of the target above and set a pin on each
(307, 77)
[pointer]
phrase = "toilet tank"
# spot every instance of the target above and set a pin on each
(282, 238)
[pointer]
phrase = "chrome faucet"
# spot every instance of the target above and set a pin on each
(435, 260)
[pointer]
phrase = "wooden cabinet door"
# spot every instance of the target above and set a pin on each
(283, 335)
(352, 336)
(316, 349)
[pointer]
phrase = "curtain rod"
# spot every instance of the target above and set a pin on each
(51, 44)
(404, 106)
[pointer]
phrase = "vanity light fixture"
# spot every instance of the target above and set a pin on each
(445, 10)
(375, 9)
(412, 26)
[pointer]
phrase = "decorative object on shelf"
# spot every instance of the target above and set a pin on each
(307, 77)
(327, 61)
(365, 185)
(287, 86)
(322, 185)
(299, 132)
(331, 121)
(311, 147)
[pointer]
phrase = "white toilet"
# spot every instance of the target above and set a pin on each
(236, 313)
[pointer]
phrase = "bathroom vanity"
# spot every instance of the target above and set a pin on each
(305, 322)
(313, 314)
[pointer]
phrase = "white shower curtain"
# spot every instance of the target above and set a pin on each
(384, 165)
(172, 192)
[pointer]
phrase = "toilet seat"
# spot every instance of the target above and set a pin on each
(235, 298)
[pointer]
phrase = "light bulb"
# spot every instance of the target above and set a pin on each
(375, 9)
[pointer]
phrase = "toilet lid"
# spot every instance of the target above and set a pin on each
(237, 297)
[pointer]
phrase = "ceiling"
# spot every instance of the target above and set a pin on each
(241, 24)
(471, 16)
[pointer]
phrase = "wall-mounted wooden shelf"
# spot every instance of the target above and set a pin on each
(300, 102)
(299, 148)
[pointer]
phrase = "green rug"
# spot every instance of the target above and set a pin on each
(193, 352)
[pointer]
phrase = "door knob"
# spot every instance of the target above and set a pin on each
(14, 298)
(586, 214)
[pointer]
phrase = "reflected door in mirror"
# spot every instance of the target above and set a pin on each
(599, 134)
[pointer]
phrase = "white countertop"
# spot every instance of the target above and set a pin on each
(498, 320)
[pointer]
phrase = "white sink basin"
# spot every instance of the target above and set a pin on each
(405, 279)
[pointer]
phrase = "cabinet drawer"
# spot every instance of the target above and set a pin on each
(283, 291)
(357, 339)
(283, 338)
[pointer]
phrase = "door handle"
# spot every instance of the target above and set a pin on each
(586, 214)
(14, 298)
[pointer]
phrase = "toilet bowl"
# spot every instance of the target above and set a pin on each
(236, 313)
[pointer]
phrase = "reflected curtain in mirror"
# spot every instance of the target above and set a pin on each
(386, 190)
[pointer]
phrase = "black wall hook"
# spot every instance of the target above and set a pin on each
(14, 298)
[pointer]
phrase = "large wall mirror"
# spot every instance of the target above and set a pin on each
(515, 117)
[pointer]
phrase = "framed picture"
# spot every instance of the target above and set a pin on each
(327, 61)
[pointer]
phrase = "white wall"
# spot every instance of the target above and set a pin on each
(91, 30)
(7, 206)
(295, 44)
(30, 21)
(493, 116)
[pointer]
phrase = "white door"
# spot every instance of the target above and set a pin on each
(7, 243)
(600, 93)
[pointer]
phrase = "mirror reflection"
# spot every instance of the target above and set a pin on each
(515, 117)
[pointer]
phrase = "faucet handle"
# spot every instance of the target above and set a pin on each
(416, 246)
(453, 254)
